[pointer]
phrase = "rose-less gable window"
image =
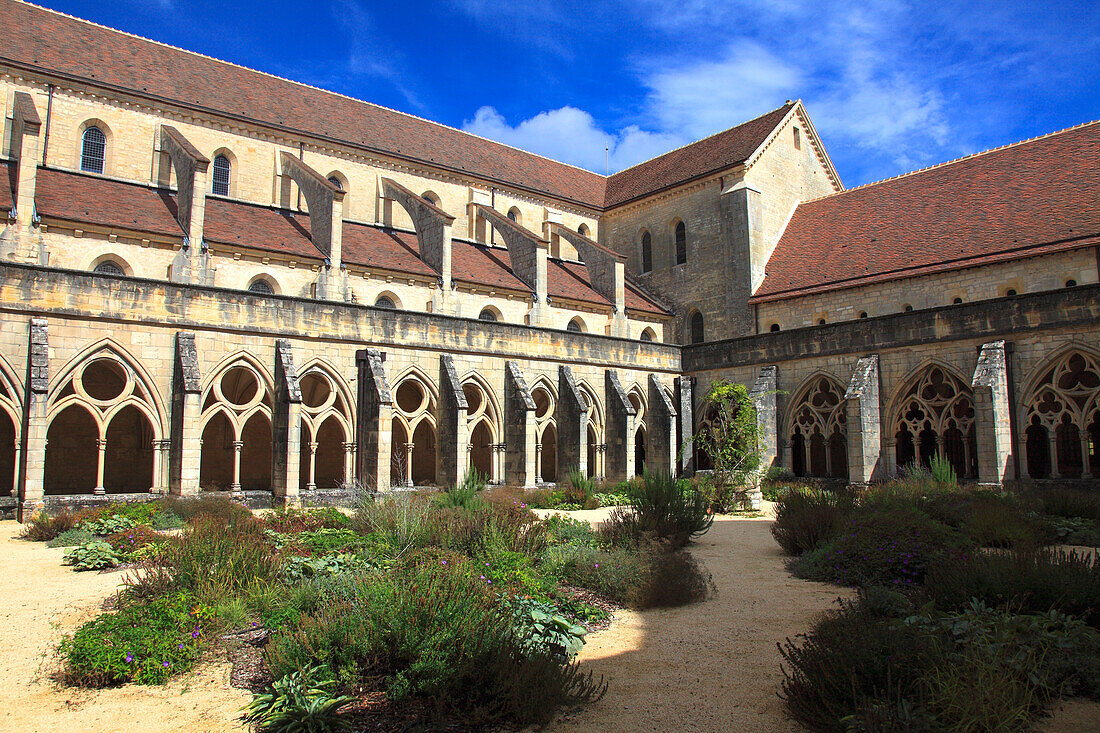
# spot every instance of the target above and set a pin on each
(222, 169)
(93, 150)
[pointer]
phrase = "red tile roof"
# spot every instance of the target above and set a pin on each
(717, 152)
(1011, 202)
(85, 199)
(64, 47)
(89, 199)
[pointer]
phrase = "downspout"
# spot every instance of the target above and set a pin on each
(49, 114)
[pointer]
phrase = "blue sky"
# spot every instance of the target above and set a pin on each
(891, 86)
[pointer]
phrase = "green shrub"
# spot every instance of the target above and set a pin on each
(1067, 502)
(581, 490)
(298, 569)
(562, 530)
(108, 524)
(580, 610)
(807, 518)
(303, 701)
(431, 630)
(467, 494)
(95, 555)
(71, 538)
(394, 524)
(673, 579)
(671, 509)
(325, 541)
(44, 527)
(219, 508)
(1028, 582)
(166, 519)
(993, 521)
(144, 643)
(513, 572)
(292, 519)
(881, 548)
(134, 539)
(613, 498)
(615, 574)
(943, 473)
(214, 560)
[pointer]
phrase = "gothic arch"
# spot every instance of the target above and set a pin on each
(593, 431)
(933, 412)
(237, 402)
(816, 427)
(413, 432)
(327, 432)
(11, 427)
(1061, 415)
(483, 426)
(107, 424)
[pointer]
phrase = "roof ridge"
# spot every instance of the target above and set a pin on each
(788, 103)
(953, 161)
(309, 86)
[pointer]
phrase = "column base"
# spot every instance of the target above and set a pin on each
(99, 491)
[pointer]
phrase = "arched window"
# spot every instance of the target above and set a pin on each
(488, 314)
(957, 301)
(647, 252)
(431, 197)
(261, 287)
(907, 308)
(385, 301)
(695, 328)
(583, 230)
(863, 314)
(681, 243)
(1071, 283)
(514, 215)
(336, 182)
(774, 327)
(220, 178)
(575, 325)
(93, 150)
(647, 335)
(109, 267)
(821, 321)
(1010, 292)
(1063, 412)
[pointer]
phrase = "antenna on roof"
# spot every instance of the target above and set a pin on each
(606, 160)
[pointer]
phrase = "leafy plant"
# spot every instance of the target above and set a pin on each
(95, 555)
(108, 524)
(731, 439)
(298, 569)
(144, 643)
(466, 494)
(215, 560)
(71, 538)
(303, 701)
(292, 519)
(540, 628)
(943, 473)
(581, 490)
(44, 526)
(671, 509)
(134, 539)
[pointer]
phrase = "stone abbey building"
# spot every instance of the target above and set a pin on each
(215, 279)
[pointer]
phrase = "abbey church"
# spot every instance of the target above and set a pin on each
(214, 279)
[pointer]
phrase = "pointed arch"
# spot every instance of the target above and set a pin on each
(816, 425)
(328, 426)
(931, 413)
(1061, 414)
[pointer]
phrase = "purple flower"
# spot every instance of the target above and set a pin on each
(129, 658)
(483, 577)
(181, 645)
(167, 665)
(195, 633)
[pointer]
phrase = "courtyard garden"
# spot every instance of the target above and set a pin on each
(457, 608)
(974, 610)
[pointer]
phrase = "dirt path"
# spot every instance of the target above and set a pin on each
(41, 601)
(714, 665)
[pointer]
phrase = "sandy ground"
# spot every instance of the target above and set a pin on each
(709, 667)
(41, 601)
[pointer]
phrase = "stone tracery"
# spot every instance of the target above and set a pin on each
(935, 414)
(1062, 418)
(818, 433)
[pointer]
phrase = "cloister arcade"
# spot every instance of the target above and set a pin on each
(327, 445)
(486, 443)
(236, 413)
(934, 413)
(546, 432)
(638, 440)
(1061, 412)
(593, 433)
(817, 436)
(414, 447)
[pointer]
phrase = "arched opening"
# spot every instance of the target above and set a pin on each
(128, 460)
(72, 452)
(548, 467)
(576, 326)
(260, 286)
(819, 463)
(774, 327)
(639, 452)
(7, 454)
(431, 197)
(582, 230)
(647, 252)
(481, 451)
(905, 453)
(592, 452)
(818, 439)
(256, 454)
(399, 472)
(423, 455)
(514, 215)
(1067, 440)
(109, 267)
(935, 415)
(388, 301)
(838, 453)
(648, 335)
(490, 314)
(220, 174)
(695, 328)
(798, 452)
(216, 462)
(681, 243)
(328, 463)
(1038, 450)
(1094, 445)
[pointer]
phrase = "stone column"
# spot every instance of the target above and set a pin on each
(374, 421)
(161, 451)
(35, 426)
(453, 434)
(864, 420)
(101, 460)
(660, 429)
(684, 395)
(185, 438)
(286, 428)
(992, 416)
(618, 436)
(349, 461)
(311, 485)
(521, 447)
(572, 419)
(235, 487)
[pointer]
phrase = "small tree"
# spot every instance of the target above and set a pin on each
(731, 438)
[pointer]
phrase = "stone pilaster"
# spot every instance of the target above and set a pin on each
(374, 421)
(743, 239)
(453, 435)
(23, 242)
(864, 419)
(185, 446)
(661, 429)
(991, 415)
(35, 426)
(684, 394)
(619, 430)
(572, 420)
(520, 433)
(286, 428)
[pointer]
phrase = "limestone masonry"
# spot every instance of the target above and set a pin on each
(213, 279)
